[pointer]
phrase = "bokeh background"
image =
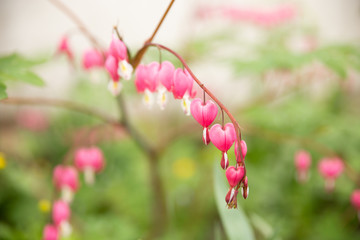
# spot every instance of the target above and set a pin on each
(292, 84)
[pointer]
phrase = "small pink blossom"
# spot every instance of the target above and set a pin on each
(64, 47)
(166, 75)
(90, 161)
(355, 199)
(92, 59)
(50, 233)
(140, 78)
(182, 84)
(204, 114)
(61, 212)
(234, 175)
(243, 150)
(302, 164)
(330, 169)
(117, 49)
(66, 180)
(223, 139)
(33, 120)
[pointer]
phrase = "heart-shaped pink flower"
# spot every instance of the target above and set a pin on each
(61, 212)
(92, 58)
(50, 232)
(204, 114)
(223, 138)
(140, 78)
(117, 49)
(65, 177)
(234, 175)
(243, 149)
(166, 75)
(182, 84)
(89, 157)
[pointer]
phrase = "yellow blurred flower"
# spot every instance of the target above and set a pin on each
(2, 161)
(184, 168)
(44, 205)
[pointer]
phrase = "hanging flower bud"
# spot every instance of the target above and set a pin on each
(50, 233)
(63, 48)
(223, 139)
(234, 175)
(302, 164)
(92, 59)
(182, 89)
(243, 150)
(231, 198)
(330, 169)
(204, 114)
(61, 215)
(66, 180)
(355, 201)
(245, 188)
(166, 82)
(89, 160)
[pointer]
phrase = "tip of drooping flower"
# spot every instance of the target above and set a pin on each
(115, 87)
(231, 198)
(148, 99)
(50, 232)
(206, 138)
(64, 48)
(125, 69)
(185, 105)
(224, 161)
(162, 99)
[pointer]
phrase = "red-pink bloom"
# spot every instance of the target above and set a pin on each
(355, 199)
(231, 198)
(223, 139)
(330, 169)
(140, 78)
(204, 114)
(61, 215)
(32, 120)
(66, 180)
(50, 233)
(89, 160)
(234, 175)
(117, 49)
(152, 80)
(243, 150)
(93, 58)
(111, 65)
(166, 75)
(64, 47)
(302, 164)
(183, 88)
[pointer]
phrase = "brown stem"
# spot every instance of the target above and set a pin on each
(62, 104)
(139, 55)
(62, 7)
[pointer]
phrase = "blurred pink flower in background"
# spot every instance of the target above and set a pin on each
(93, 58)
(50, 233)
(61, 215)
(330, 169)
(302, 164)
(32, 120)
(64, 48)
(66, 180)
(90, 161)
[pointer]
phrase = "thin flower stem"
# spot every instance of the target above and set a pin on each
(62, 7)
(211, 95)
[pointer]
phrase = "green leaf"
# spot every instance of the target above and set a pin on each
(15, 61)
(3, 94)
(235, 222)
(25, 76)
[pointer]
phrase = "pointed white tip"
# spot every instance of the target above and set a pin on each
(65, 229)
(89, 175)
(67, 194)
(148, 98)
(114, 87)
(125, 70)
(185, 105)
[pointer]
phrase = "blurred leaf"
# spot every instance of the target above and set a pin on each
(2, 91)
(15, 67)
(235, 222)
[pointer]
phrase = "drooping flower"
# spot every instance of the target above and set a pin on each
(64, 48)
(50, 232)
(111, 65)
(355, 199)
(166, 82)
(90, 161)
(243, 150)
(205, 114)
(330, 169)
(234, 175)
(223, 138)
(302, 164)
(245, 188)
(66, 180)
(117, 49)
(61, 215)
(183, 89)
(92, 59)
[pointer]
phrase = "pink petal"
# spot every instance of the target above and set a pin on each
(166, 75)
(181, 83)
(92, 58)
(117, 49)
(203, 114)
(355, 199)
(140, 77)
(223, 139)
(111, 66)
(302, 160)
(234, 176)
(152, 80)
(243, 148)
(61, 212)
(50, 233)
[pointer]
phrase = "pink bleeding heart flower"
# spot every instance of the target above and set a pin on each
(243, 150)
(330, 169)
(117, 49)
(234, 175)
(140, 78)
(90, 161)
(50, 232)
(204, 114)
(166, 82)
(302, 164)
(223, 139)
(147, 81)
(183, 89)
(92, 59)
(64, 47)
(66, 180)
(111, 65)
(61, 215)
(231, 198)
(355, 199)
